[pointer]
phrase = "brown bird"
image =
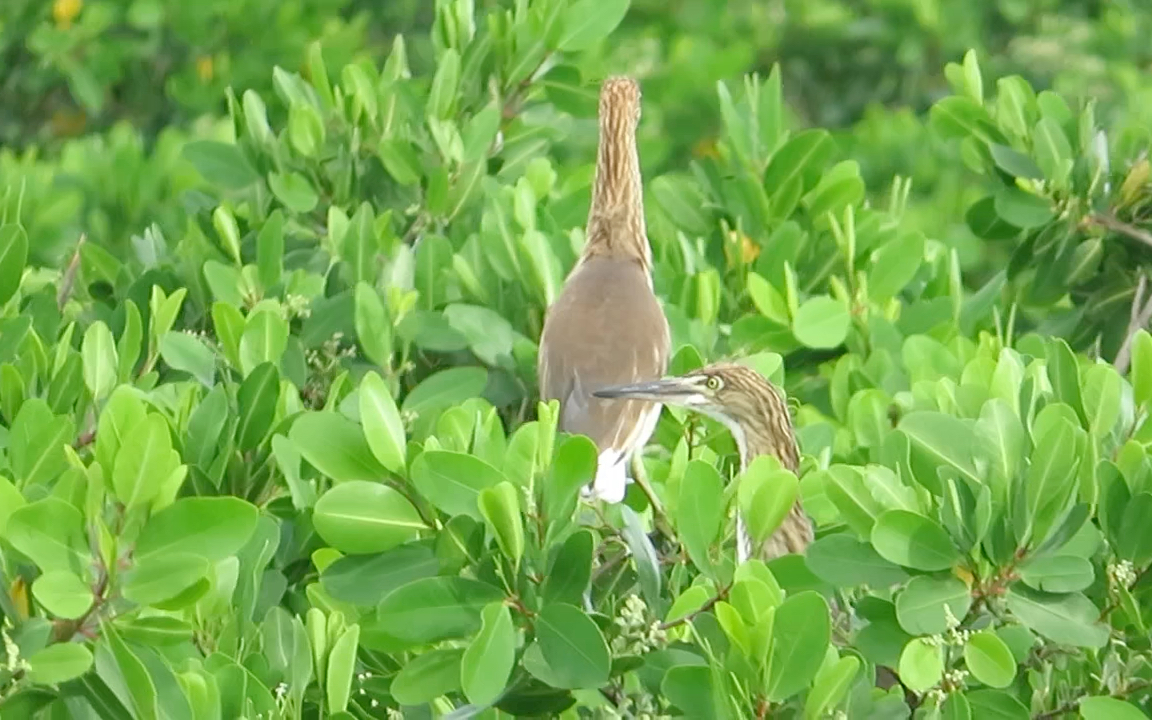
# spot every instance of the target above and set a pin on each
(607, 327)
(755, 412)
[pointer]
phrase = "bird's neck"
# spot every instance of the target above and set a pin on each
(616, 226)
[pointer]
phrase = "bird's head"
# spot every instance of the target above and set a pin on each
(620, 103)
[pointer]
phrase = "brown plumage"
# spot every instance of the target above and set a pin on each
(606, 327)
(756, 413)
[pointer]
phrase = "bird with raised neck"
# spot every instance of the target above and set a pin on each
(755, 412)
(606, 327)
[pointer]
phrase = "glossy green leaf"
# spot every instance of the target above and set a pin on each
(488, 660)
(360, 517)
(921, 665)
(13, 256)
(989, 659)
(500, 507)
(382, 425)
(335, 446)
(212, 527)
(821, 322)
(913, 541)
(453, 481)
(700, 511)
(428, 676)
(100, 362)
(63, 594)
(573, 646)
(435, 608)
(801, 631)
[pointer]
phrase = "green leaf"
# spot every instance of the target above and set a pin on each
(36, 443)
(921, 665)
(766, 495)
(1069, 619)
(59, 663)
(444, 389)
(145, 458)
(264, 339)
(572, 646)
(488, 661)
(294, 190)
(1103, 387)
(445, 86)
(1014, 163)
(364, 579)
(100, 363)
(1062, 573)
(51, 533)
(700, 511)
(500, 506)
(587, 22)
(360, 517)
(996, 704)
(187, 353)
(428, 676)
(452, 481)
(257, 400)
(571, 570)
(800, 634)
(843, 561)
(1134, 541)
(63, 594)
(1053, 151)
(341, 665)
(924, 605)
(157, 579)
(838, 188)
(830, 686)
(801, 157)
(140, 684)
(1022, 209)
(821, 322)
(913, 541)
(989, 659)
(1109, 708)
(270, 248)
(220, 164)
(436, 608)
(1141, 373)
(373, 328)
(212, 527)
(335, 446)
(894, 265)
(13, 257)
(383, 427)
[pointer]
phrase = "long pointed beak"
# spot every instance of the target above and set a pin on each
(670, 390)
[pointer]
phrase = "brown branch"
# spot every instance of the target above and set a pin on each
(1116, 225)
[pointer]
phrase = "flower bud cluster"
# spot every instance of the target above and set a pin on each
(637, 634)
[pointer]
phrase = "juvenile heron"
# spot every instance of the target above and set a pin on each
(755, 412)
(606, 326)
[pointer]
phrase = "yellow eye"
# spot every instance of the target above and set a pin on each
(713, 382)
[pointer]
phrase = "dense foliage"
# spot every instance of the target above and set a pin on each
(270, 444)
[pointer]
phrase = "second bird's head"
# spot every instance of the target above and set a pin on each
(727, 392)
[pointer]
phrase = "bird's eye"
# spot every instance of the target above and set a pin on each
(713, 383)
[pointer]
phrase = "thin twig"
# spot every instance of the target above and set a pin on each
(1138, 317)
(1116, 225)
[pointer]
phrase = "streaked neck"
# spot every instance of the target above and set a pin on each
(616, 226)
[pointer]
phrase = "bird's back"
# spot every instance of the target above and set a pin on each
(605, 328)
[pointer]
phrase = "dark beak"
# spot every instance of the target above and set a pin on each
(669, 390)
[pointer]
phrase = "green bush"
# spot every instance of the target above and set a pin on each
(271, 446)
